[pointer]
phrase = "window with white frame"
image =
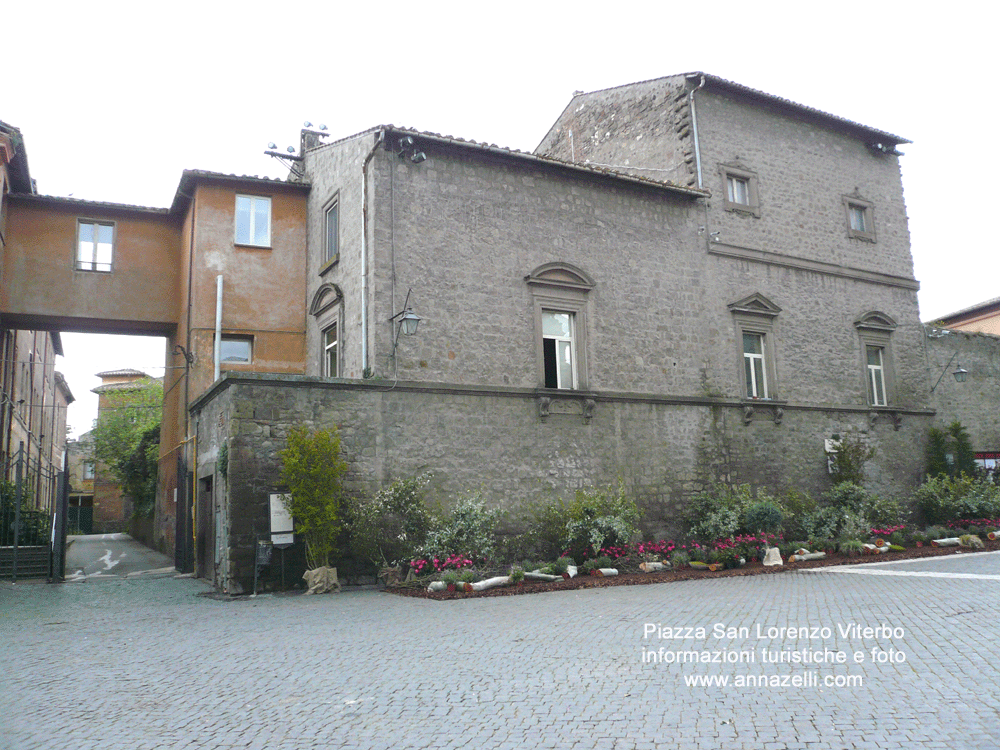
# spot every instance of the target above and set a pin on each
(89, 470)
(253, 220)
(95, 241)
(876, 376)
(875, 330)
(755, 319)
(559, 349)
(331, 363)
(332, 246)
(560, 294)
(740, 189)
(860, 218)
(236, 350)
(753, 365)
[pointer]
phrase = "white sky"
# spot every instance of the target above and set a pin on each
(116, 98)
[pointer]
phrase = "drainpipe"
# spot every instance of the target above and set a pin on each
(364, 251)
(218, 326)
(694, 127)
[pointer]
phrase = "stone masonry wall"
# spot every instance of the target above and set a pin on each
(976, 402)
(496, 440)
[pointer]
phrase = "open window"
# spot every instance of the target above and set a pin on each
(561, 297)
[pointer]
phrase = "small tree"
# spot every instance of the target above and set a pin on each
(126, 439)
(850, 459)
(950, 453)
(312, 469)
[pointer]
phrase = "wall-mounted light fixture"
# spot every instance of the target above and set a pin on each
(960, 372)
(408, 150)
(407, 322)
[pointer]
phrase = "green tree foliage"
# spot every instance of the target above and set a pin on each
(312, 469)
(949, 452)
(126, 439)
(850, 459)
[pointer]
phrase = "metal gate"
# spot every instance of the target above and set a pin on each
(33, 509)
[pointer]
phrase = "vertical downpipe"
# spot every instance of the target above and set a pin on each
(218, 326)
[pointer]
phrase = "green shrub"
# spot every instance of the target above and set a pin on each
(949, 452)
(597, 519)
(852, 547)
(516, 574)
(469, 529)
(391, 526)
(943, 499)
(848, 496)
(679, 559)
(311, 468)
(763, 516)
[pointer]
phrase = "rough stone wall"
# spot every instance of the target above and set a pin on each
(496, 440)
(804, 168)
(976, 402)
(334, 170)
(463, 230)
(642, 129)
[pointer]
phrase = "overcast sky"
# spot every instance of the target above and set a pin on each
(116, 99)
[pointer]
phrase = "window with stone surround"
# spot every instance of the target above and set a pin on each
(754, 320)
(331, 350)
(328, 311)
(860, 215)
(875, 331)
(560, 294)
(739, 189)
(331, 248)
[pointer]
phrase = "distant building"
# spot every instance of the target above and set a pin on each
(33, 396)
(981, 318)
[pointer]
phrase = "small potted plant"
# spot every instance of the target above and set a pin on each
(919, 538)
(450, 578)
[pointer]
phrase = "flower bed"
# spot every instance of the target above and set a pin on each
(629, 574)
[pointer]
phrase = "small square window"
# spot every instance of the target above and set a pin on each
(236, 350)
(332, 249)
(331, 346)
(253, 220)
(558, 349)
(740, 189)
(94, 246)
(860, 219)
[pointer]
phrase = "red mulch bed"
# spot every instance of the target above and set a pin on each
(754, 568)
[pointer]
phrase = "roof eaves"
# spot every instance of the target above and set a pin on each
(58, 200)
(493, 149)
(189, 177)
(982, 307)
(763, 95)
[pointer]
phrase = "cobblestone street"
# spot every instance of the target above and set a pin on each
(151, 662)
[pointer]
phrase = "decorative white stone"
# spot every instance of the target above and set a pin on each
(772, 557)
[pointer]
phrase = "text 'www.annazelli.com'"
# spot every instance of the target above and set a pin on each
(804, 680)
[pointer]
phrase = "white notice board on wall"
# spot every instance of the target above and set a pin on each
(281, 521)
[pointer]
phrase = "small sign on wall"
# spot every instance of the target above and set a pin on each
(281, 521)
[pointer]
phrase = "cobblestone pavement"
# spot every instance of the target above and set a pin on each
(145, 662)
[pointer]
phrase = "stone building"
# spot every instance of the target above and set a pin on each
(689, 281)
